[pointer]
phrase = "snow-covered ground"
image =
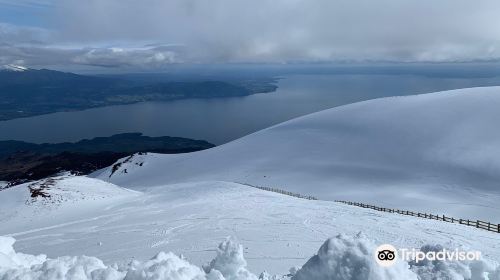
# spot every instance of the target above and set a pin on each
(435, 153)
(278, 232)
(68, 198)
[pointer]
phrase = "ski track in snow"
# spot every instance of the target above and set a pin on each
(277, 231)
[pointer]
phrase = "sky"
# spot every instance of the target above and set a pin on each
(153, 34)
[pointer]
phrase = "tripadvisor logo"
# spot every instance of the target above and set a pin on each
(386, 255)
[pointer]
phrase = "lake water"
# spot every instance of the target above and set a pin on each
(222, 120)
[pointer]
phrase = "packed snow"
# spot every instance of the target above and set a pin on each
(436, 153)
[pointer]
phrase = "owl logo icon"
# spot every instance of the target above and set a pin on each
(386, 255)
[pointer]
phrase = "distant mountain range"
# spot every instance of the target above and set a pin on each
(27, 92)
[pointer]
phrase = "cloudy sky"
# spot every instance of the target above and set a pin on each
(151, 34)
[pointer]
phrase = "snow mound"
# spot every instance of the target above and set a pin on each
(9, 258)
(230, 262)
(164, 266)
(64, 189)
(352, 258)
(346, 258)
(339, 258)
(454, 270)
(39, 202)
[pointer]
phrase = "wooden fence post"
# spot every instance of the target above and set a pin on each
(477, 223)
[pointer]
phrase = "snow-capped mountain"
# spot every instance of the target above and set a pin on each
(436, 153)
(13, 68)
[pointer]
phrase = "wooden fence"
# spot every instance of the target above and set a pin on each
(477, 224)
(280, 191)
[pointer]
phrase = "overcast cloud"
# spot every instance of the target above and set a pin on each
(154, 33)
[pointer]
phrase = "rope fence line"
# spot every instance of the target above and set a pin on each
(280, 191)
(477, 223)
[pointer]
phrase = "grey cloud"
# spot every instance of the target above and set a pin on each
(34, 47)
(102, 57)
(11, 34)
(116, 57)
(281, 30)
(274, 31)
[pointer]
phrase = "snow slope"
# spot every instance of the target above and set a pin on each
(59, 199)
(277, 231)
(437, 153)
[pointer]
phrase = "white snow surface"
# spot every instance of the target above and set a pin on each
(277, 231)
(437, 153)
(70, 198)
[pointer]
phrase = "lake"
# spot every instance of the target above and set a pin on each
(222, 120)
